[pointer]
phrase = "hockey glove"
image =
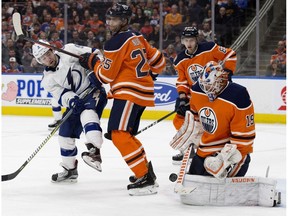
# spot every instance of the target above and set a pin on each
(88, 60)
(153, 75)
(217, 165)
(94, 80)
(182, 105)
(76, 104)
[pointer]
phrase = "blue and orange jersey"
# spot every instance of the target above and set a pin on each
(129, 58)
(228, 119)
(189, 67)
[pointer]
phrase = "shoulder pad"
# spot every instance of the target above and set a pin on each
(206, 46)
(180, 57)
(237, 95)
(118, 40)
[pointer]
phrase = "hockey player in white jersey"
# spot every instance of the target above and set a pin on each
(67, 80)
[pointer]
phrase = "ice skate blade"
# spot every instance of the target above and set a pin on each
(149, 190)
(95, 164)
(66, 181)
(177, 163)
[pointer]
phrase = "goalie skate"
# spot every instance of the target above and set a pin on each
(68, 175)
(93, 157)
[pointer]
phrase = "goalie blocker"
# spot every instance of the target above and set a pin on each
(236, 191)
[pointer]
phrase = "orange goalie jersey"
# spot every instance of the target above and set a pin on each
(128, 60)
(228, 119)
(189, 67)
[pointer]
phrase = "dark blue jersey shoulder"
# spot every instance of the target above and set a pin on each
(205, 46)
(233, 93)
(182, 55)
(236, 94)
(118, 40)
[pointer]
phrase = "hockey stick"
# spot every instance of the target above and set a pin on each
(108, 135)
(179, 187)
(14, 174)
(16, 18)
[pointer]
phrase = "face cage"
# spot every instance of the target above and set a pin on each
(212, 90)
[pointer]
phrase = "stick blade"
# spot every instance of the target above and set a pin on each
(8, 176)
(16, 18)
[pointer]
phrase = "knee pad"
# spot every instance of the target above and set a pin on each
(91, 125)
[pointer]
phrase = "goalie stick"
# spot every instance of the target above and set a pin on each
(179, 187)
(14, 174)
(16, 19)
(108, 135)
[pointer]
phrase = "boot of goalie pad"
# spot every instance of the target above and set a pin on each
(236, 191)
(190, 132)
(93, 157)
(217, 165)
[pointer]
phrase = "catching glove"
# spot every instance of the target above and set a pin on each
(88, 60)
(217, 165)
(76, 104)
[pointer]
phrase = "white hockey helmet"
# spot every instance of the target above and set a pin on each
(39, 50)
(213, 79)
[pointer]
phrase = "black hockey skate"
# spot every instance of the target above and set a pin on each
(177, 159)
(68, 175)
(145, 185)
(54, 124)
(93, 157)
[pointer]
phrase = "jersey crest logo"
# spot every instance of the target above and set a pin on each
(194, 71)
(208, 119)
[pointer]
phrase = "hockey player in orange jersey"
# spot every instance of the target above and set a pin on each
(130, 66)
(189, 63)
(225, 113)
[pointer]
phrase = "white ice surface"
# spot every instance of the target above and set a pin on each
(104, 194)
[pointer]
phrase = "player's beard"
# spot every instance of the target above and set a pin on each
(117, 28)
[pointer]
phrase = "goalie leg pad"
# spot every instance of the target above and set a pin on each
(181, 140)
(236, 191)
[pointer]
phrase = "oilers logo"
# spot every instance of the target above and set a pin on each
(194, 71)
(208, 119)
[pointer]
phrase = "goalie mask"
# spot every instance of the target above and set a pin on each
(39, 50)
(213, 80)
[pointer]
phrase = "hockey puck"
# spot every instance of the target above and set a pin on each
(173, 177)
